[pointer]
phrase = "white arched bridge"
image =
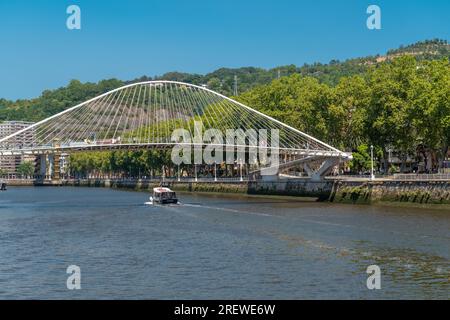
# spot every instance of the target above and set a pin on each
(145, 115)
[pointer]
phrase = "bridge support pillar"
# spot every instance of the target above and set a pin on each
(323, 170)
(48, 166)
(308, 170)
(56, 166)
(40, 168)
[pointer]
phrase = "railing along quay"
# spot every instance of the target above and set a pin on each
(394, 177)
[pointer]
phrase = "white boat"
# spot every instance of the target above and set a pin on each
(163, 195)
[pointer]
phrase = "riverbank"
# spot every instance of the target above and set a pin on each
(354, 192)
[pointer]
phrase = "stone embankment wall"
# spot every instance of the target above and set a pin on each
(427, 192)
(301, 188)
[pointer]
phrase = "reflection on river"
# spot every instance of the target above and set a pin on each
(215, 247)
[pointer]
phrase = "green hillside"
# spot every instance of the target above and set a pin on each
(221, 80)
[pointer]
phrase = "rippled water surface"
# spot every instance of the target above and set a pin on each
(215, 247)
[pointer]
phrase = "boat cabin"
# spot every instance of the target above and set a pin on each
(164, 195)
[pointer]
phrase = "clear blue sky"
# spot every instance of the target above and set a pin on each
(127, 39)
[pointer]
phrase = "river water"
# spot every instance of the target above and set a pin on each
(216, 247)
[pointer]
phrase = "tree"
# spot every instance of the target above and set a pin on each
(301, 102)
(433, 107)
(25, 169)
(362, 161)
(214, 84)
(390, 117)
(348, 112)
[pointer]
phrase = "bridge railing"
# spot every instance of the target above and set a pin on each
(355, 177)
(171, 179)
(207, 179)
(423, 177)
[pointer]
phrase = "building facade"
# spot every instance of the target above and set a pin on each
(10, 163)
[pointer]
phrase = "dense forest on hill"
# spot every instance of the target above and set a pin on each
(427, 49)
(221, 80)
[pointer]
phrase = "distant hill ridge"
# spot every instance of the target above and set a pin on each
(221, 80)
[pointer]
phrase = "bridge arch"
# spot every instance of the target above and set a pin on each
(144, 114)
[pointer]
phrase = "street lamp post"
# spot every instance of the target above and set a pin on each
(372, 176)
(389, 161)
(240, 169)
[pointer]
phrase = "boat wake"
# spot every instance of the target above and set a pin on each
(228, 210)
(152, 203)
